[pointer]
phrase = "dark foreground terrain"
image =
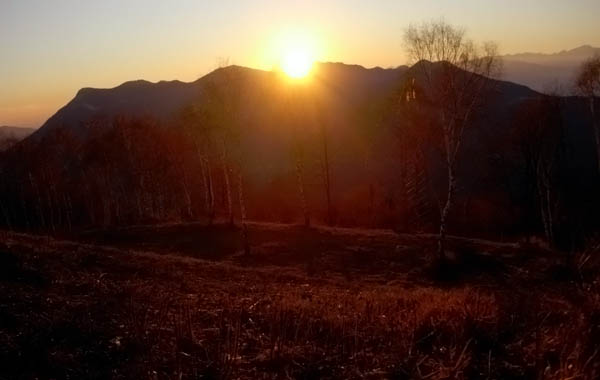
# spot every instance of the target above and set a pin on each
(183, 302)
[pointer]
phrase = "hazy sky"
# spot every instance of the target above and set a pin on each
(51, 48)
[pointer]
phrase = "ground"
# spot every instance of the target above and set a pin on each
(183, 302)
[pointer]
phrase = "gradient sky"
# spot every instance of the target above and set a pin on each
(51, 48)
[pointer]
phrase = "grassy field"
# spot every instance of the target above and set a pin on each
(183, 302)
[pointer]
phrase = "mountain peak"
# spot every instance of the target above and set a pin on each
(583, 50)
(135, 84)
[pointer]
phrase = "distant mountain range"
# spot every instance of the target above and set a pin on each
(547, 72)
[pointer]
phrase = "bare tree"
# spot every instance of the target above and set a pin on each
(326, 173)
(198, 130)
(295, 103)
(235, 85)
(243, 217)
(226, 113)
(540, 140)
(299, 161)
(452, 89)
(223, 107)
(588, 83)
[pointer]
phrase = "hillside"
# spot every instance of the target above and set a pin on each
(300, 190)
(183, 301)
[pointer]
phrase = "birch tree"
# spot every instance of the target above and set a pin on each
(223, 107)
(451, 78)
(197, 130)
(326, 172)
(226, 112)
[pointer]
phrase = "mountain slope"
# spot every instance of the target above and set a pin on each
(137, 98)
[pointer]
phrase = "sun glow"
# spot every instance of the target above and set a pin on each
(297, 63)
(297, 52)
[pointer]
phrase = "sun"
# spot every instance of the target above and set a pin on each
(297, 62)
(297, 52)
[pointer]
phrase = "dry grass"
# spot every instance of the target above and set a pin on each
(309, 304)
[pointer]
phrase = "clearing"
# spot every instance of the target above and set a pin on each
(182, 301)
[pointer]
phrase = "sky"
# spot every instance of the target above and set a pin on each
(50, 49)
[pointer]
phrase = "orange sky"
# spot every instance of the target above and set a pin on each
(50, 49)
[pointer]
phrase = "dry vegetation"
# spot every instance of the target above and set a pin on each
(144, 302)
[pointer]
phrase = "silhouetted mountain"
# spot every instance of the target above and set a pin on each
(547, 72)
(136, 98)
(164, 100)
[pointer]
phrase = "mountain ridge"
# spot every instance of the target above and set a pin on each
(162, 99)
(521, 72)
(583, 50)
(547, 72)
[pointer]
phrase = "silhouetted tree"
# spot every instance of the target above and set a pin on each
(222, 107)
(197, 129)
(224, 110)
(452, 90)
(296, 114)
(326, 172)
(588, 83)
(413, 141)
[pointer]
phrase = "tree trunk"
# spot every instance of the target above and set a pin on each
(25, 209)
(596, 131)
(224, 162)
(208, 189)
(327, 177)
(544, 207)
(211, 192)
(304, 204)
(67, 212)
(39, 202)
(445, 213)
(242, 200)
(205, 186)
(138, 204)
(48, 193)
(186, 194)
